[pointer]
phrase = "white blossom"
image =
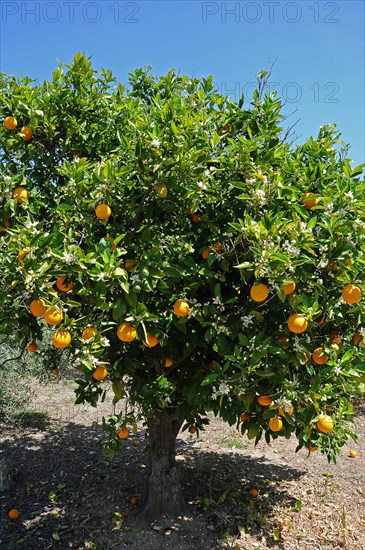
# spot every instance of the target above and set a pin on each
(104, 342)
(156, 143)
(349, 195)
(247, 320)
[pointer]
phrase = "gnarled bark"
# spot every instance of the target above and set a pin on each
(161, 492)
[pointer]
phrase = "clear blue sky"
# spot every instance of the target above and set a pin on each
(318, 46)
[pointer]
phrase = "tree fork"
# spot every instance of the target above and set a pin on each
(161, 491)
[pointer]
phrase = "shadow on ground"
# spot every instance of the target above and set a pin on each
(71, 496)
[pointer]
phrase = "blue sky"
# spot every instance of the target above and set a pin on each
(319, 48)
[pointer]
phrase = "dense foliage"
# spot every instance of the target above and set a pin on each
(206, 201)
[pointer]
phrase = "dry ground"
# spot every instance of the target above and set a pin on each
(71, 496)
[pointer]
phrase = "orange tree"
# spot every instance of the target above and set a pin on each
(190, 257)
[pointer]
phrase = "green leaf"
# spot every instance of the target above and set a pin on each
(210, 379)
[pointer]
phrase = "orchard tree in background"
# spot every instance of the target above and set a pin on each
(189, 257)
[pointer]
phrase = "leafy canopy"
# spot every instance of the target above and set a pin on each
(206, 200)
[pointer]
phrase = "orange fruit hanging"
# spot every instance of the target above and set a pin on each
(275, 424)
(309, 201)
(351, 294)
(61, 339)
(61, 286)
(245, 417)
(289, 410)
(297, 323)
(259, 292)
(103, 211)
(26, 133)
(37, 308)
(319, 357)
(100, 373)
(289, 288)
(264, 400)
(126, 332)
(181, 308)
(53, 315)
(123, 433)
(325, 424)
(152, 341)
(88, 333)
(10, 123)
(167, 362)
(21, 194)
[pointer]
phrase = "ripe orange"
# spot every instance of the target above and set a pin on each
(32, 347)
(352, 453)
(351, 294)
(259, 292)
(13, 513)
(123, 433)
(10, 123)
(126, 332)
(181, 308)
(192, 430)
(195, 218)
(103, 211)
(21, 194)
(100, 373)
(26, 133)
(135, 443)
(289, 288)
(37, 308)
(325, 424)
(55, 372)
(264, 400)
(334, 337)
(134, 501)
(22, 254)
(275, 424)
(152, 341)
(245, 417)
(216, 246)
(130, 265)
(297, 323)
(319, 357)
(309, 202)
(284, 339)
(61, 286)
(6, 224)
(88, 333)
(312, 448)
(358, 339)
(61, 339)
(167, 362)
(53, 315)
(289, 410)
(253, 492)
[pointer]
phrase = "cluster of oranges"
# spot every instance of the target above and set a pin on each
(325, 423)
(11, 123)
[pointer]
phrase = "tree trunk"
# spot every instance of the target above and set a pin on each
(161, 492)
